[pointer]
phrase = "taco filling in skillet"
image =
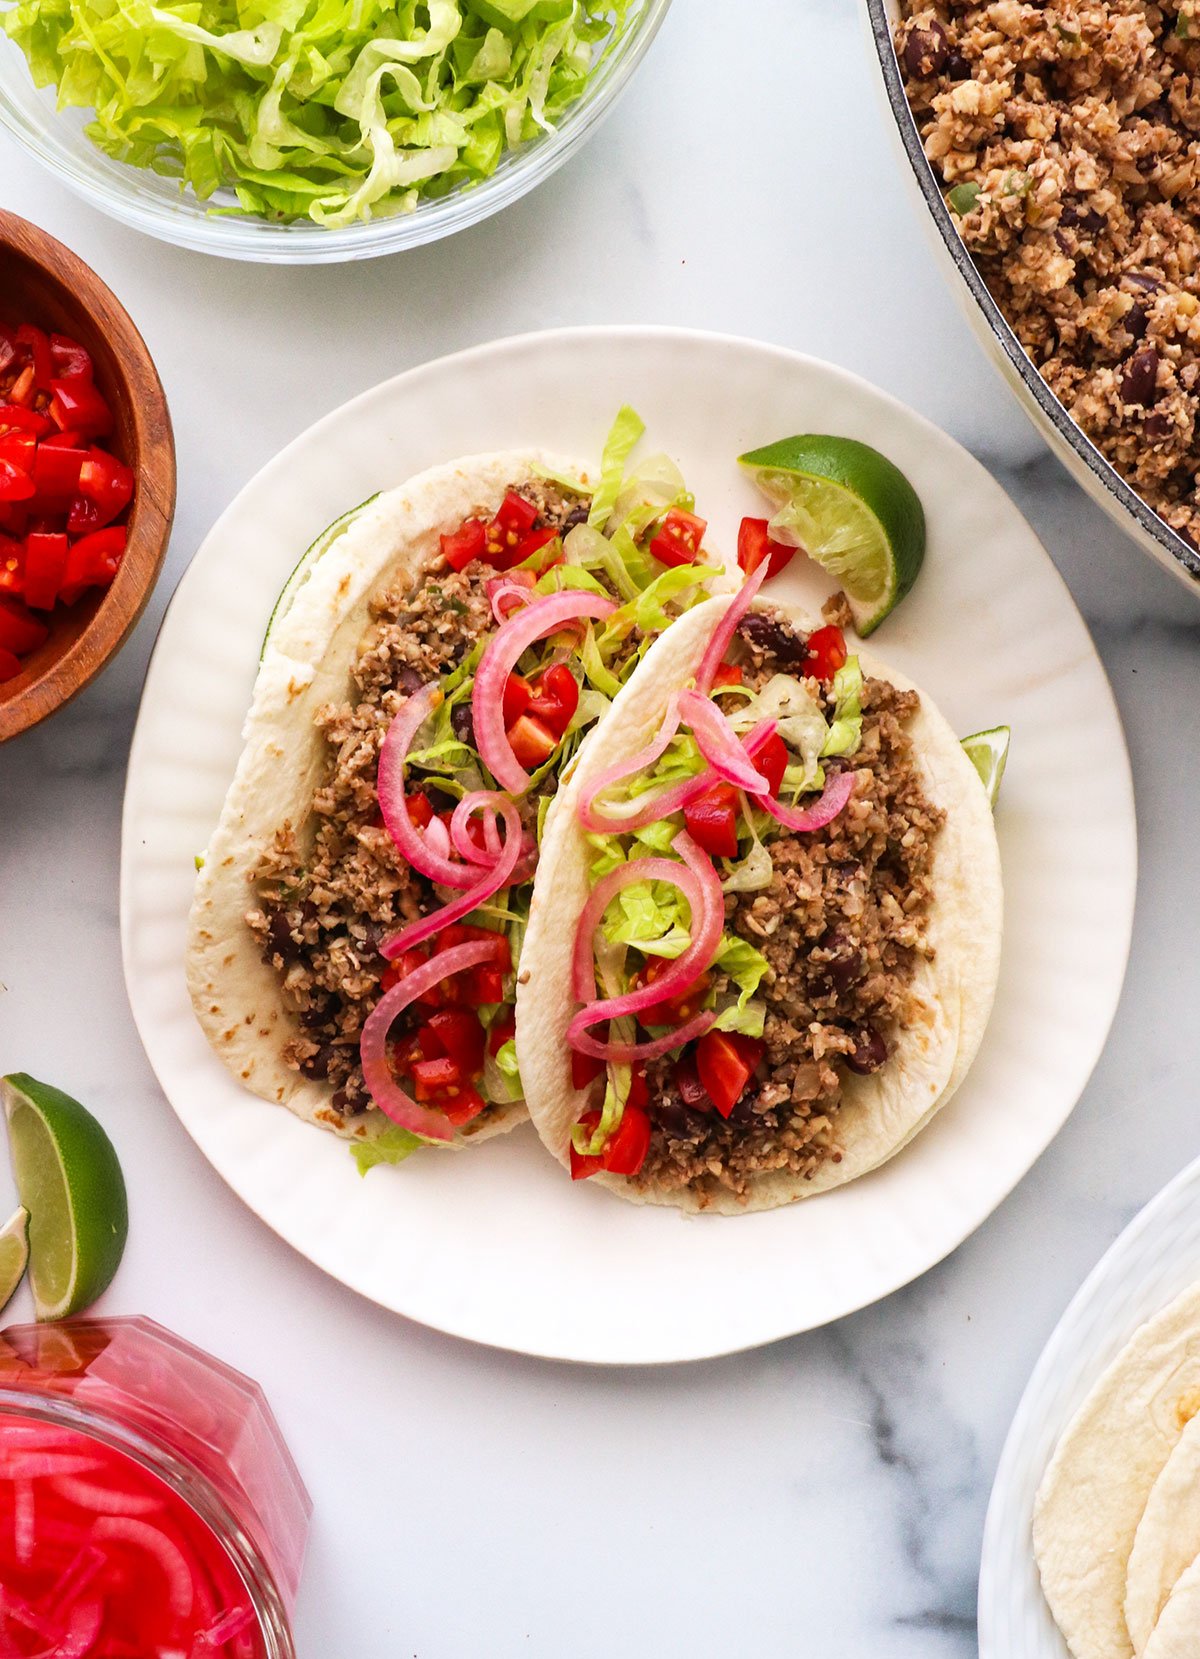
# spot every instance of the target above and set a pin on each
(769, 985)
(388, 904)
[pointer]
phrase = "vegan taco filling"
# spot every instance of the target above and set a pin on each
(392, 909)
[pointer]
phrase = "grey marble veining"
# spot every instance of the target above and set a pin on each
(824, 1497)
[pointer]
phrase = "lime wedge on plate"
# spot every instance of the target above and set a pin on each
(987, 752)
(851, 510)
(14, 1253)
(70, 1181)
(305, 563)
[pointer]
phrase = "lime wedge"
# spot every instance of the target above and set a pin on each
(14, 1253)
(71, 1184)
(851, 510)
(304, 566)
(987, 752)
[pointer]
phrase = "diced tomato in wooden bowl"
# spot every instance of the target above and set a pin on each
(87, 475)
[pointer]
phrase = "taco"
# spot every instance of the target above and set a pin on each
(358, 920)
(765, 936)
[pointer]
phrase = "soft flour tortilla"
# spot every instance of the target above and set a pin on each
(880, 1113)
(236, 995)
(1177, 1633)
(1167, 1540)
(1100, 1479)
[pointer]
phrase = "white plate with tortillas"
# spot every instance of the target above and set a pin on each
(1092, 1544)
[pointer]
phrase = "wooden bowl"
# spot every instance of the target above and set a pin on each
(44, 283)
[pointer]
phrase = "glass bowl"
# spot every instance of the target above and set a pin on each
(157, 206)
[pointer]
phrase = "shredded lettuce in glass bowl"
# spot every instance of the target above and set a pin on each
(311, 131)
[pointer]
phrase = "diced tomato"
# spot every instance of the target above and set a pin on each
(36, 345)
(464, 933)
(771, 761)
(555, 699)
(76, 406)
(15, 485)
(420, 810)
(687, 1080)
(106, 482)
(14, 517)
(487, 986)
(513, 522)
(10, 665)
(516, 514)
(432, 1077)
(84, 517)
(503, 1030)
(461, 1104)
(11, 556)
(517, 693)
(679, 537)
(69, 357)
(19, 450)
(712, 821)
(405, 964)
(625, 1151)
(20, 631)
(14, 417)
(755, 544)
(532, 742)
(676, 1010)
(639, 1089)
(45, 568)
(727, 674)
(826, 653)
(93, 561)
(534, 542)
(461, 1037)
(585, 1069)
(725, 1062)
(465, 543)
(56, 465)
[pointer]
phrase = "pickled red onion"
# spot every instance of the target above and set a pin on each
(509, 593)
(663, 802)
(700, 885)
(152, 1541)
(719, 643)
(482, 801)
(626, 1054)
(823, 810)
(532, 622)
(415, 847)
(393, 1101)
(82, 1630)
(719, 743)
(498, 875)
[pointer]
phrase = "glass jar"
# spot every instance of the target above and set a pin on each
(142, 1482)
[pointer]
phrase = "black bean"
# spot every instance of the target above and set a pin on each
(577, 515)
(845, 966)
(957, 67)
(1135, 322)
(1156, 427)
(1143, 281)
(925, 51)
(462, 720)
(773, 638)
(1139, 381)
(687, 1081)
(281, 940)
(317, 1065)
(408, 680)
(870, 1053)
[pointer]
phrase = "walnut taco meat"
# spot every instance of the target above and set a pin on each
(765, 939)
(358, 925)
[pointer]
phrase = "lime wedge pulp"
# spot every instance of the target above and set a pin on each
(14, 1253)
(70, 1182)
(304, 566)
(851, 511)
(987, 752)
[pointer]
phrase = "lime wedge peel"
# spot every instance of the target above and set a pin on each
(851, 510)
(14, 1254)
(988, 753)
(69, 1180)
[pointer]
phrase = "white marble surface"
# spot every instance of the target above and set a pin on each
(824, 1496)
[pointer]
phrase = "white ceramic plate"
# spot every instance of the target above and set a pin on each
(1154, 1260)
(496, 1244)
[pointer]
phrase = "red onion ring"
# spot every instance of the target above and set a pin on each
(626, 1054)
(499, 875)
(419, 851)
(719, 743)
(509, 593)
(719, 643)
(393, 1101)
(822, 811)
(532, 622)
(484, 802)
(663, 802)
(701, 887)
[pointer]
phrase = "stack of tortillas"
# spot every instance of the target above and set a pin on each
(1116, 1529)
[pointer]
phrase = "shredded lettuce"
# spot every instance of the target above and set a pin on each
(746, 967)
(845, 734)
(624, 434)
(391, 1146)
(330, 110)
(651, 915)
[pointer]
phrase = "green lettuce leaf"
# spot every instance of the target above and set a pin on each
(391, 1146)
(745, 966)
(845, 734)
(623, 436)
